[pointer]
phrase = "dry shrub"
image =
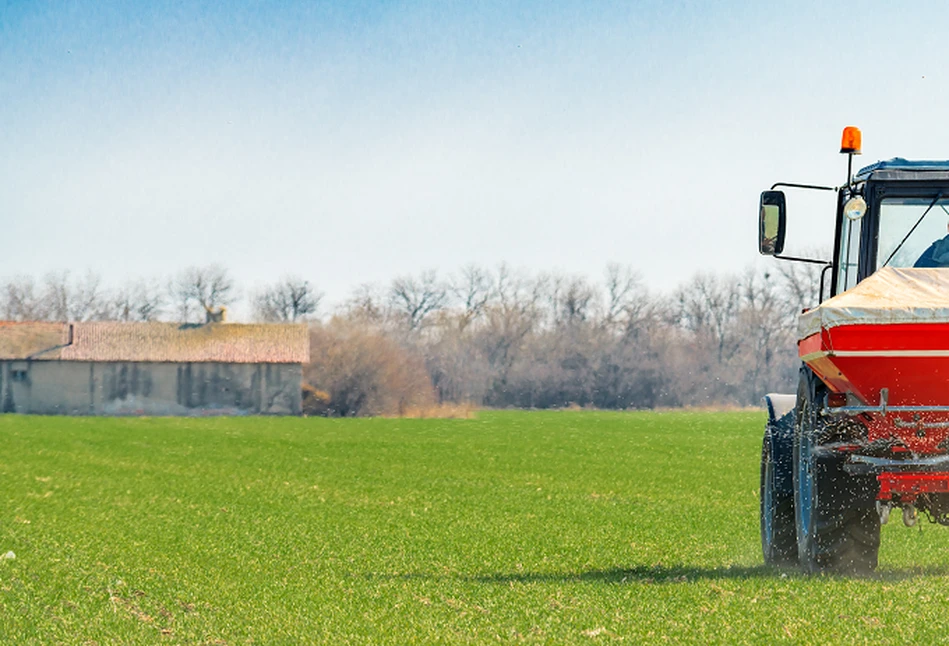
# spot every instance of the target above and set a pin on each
(365, 373)
(445, 410)
(710, 408)
(315, 401)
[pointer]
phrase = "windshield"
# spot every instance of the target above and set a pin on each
(909, 227)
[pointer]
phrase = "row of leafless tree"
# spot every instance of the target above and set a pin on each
(493, 337)
(185, 297)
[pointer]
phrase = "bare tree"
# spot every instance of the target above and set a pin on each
(81, 299)
(290, 299)
(708, 306)
(368, 305)
(577, 301)
(569, 300)
(801, 281)
(138, 300)
(472, 288)
(180, 298)
(87, 299)
(626, 297)
(509, 318)
(21, 300)
(201, 289)
(416, 298)
(767, 344)
(56, 295)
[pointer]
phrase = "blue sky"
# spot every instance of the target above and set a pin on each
(355, 142)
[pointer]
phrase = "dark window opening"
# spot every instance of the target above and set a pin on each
(18, 375)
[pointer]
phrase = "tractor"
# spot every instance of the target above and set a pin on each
(868, 430)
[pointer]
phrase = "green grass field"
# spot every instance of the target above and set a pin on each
(560, 527)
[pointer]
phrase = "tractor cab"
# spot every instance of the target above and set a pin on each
(890, 214)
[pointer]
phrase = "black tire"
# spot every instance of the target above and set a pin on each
(838, 528)
(778, 536)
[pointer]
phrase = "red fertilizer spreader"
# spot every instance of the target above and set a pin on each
(882, 350)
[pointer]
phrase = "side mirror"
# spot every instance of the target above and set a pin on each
(772, 218)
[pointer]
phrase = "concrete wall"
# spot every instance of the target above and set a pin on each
(87, 388)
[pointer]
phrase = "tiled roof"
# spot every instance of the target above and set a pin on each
(21, 340)
(156, 342)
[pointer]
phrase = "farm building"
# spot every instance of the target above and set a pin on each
(151, 368)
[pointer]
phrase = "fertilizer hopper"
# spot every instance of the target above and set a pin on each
(868, 430)
(884, 344)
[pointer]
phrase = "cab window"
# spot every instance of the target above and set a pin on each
(908, 228)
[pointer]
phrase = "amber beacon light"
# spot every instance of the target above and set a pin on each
(850, 140)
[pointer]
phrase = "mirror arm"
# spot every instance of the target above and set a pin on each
(813, 261)
(811, 186)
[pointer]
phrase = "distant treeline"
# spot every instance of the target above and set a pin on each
(497, 338)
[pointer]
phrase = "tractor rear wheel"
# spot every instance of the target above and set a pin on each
(778, 537)
(838, 528)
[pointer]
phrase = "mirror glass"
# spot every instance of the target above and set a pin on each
(769, 223)
(771, 218)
